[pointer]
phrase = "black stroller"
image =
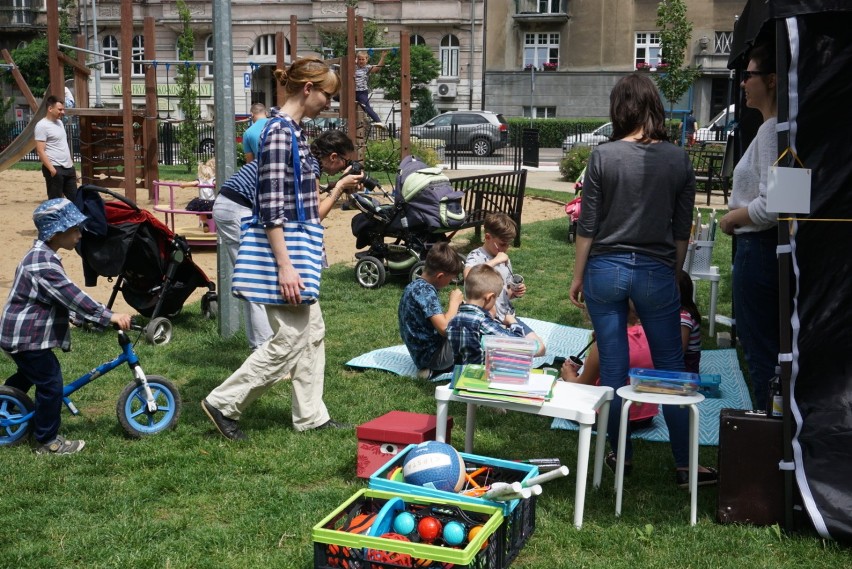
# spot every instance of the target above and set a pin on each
(154, 268)
(423, 210)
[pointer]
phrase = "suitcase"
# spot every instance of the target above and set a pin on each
(751, 487)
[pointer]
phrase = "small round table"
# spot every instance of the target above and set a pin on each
(630, 395)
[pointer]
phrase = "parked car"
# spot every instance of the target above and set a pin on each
(480, 132)
(600, 134)
(719, 128)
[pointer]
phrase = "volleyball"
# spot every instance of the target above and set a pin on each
(434, 465)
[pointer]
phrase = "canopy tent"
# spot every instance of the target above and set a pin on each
(814, 119)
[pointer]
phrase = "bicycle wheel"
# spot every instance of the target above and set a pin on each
(132, 407)
(14, 404)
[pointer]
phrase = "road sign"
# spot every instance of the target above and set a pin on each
(247, 80)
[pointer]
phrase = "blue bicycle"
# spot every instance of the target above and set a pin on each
(148, 405)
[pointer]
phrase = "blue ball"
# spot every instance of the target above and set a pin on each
(453, 533)
(403, 523)
(434, 465)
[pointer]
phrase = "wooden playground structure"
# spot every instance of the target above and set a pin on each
(119, 147)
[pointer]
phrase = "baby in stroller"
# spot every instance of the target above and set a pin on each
(424, 208)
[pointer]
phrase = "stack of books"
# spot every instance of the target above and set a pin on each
(472, 381)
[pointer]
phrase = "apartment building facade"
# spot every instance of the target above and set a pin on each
(560, 58)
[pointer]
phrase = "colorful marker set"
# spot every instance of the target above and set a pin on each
(508, 360)
(703, 231)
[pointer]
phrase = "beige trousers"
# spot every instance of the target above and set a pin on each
(297, 349)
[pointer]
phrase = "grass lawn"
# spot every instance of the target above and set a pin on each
(190, 499)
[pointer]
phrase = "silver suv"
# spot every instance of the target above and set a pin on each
(480, 132)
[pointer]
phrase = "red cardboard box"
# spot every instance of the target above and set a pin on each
(382, 438)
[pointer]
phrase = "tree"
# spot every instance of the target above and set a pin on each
(187, 96)
(675, 34)
(424, 68)
(425, 108)
(333, 41)
(32, 60)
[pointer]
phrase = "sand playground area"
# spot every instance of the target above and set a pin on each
(21, 191)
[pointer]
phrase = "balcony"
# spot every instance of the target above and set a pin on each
(541, 11)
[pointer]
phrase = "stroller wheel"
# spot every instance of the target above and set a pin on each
(210, 306)
(159, 331)
(416, 271)
(370, 272)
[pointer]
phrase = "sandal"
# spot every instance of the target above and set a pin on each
(611, 460)
(708, 478)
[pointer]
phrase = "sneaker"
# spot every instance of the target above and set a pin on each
(60, 446)
(704, 478)
(611, 461)
(424, 373)
(331, 424)
(228, 428)
(379, 125)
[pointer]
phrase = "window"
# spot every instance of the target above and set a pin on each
(722, 44)
(647, 49)
(138, 54)
(449, 56)
(110, 49)
(263, 50)
(549, 6)
(416, 40)
(208, 54)
(469, 119)
(540, 112)
(539, 49)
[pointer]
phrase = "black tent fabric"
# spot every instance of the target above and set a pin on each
(814, 105)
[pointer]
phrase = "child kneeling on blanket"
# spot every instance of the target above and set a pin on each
(422, 320)
(482, 286)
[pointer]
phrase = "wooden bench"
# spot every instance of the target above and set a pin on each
(501, 192)
(707, 162)
(202, 234)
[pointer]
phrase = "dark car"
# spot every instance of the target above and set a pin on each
(480, 132)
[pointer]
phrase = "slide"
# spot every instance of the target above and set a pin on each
(24, 143)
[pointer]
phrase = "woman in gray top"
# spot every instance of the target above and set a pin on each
(632, 237)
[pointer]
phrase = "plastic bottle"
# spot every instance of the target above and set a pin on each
(775, 403)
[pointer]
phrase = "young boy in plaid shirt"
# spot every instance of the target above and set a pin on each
(36, 319)
(482, 287)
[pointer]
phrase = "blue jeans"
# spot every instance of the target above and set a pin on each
(41, 368)
(609, 282)
(755, 291)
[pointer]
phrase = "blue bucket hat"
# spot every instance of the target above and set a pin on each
(55, 216)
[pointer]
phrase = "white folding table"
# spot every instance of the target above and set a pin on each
(588, 405)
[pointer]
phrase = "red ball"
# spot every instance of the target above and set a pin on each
(429, 529)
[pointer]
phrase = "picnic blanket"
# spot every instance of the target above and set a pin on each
(561, 341)
(734, 396)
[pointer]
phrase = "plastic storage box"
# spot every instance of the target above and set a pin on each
(710, 385)
(373, 512)
(519, 521)
(382, 438)
(665, 382)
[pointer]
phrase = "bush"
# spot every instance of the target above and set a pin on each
(385, 155)
(551, 132)
(573, 163)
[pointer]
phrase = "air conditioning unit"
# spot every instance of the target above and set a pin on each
(448, 90)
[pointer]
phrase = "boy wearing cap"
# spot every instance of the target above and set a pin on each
(36, 319)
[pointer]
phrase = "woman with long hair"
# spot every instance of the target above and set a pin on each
(755, 275)
(297, 347)
(632, 237)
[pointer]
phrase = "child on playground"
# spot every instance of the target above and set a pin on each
(206, 183)
(690, 323)
(422, 320)
(500, 233)
(482, 286)
(362, 93)
(36, 318)
(640, 414)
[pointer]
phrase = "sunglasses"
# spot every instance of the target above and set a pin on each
(749, 74)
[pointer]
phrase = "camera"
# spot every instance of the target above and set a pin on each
(368, 182)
